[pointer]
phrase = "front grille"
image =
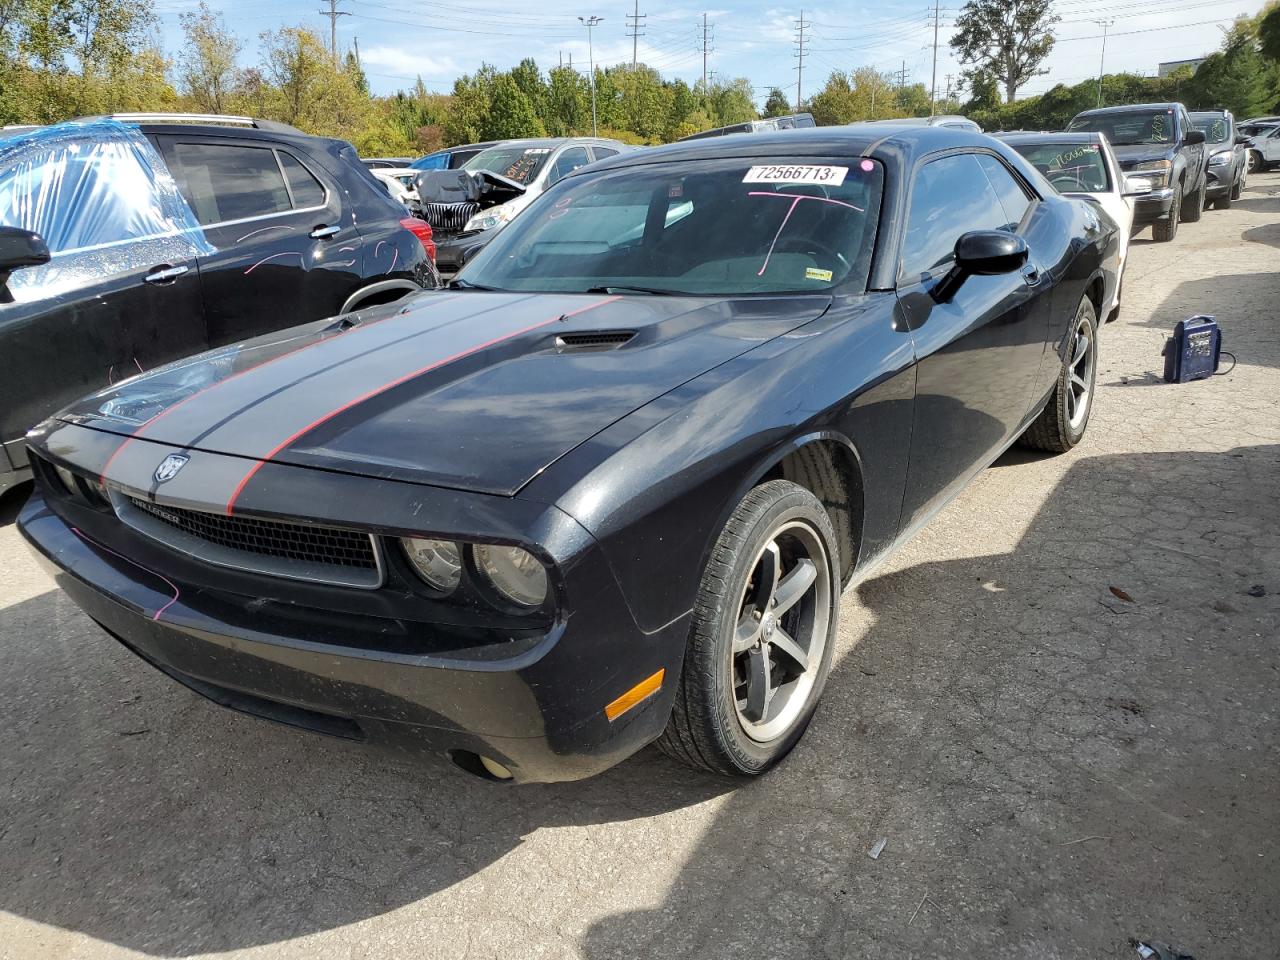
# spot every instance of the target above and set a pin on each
(298, 551)
(449, 217)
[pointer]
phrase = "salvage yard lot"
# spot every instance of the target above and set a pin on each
(1056, 765)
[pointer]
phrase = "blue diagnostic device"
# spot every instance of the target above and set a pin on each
(1193, 352)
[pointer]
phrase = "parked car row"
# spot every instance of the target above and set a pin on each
(607, 487)
(133, 241)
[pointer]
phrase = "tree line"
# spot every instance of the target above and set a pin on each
(67, 58)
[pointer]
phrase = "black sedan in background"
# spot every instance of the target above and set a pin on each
(608, 489)
(129, 242)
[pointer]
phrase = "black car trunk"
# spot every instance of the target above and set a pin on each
(450, 198)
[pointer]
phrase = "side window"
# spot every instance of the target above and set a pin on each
(568, 161)
(229, 182)
(1013, 198)
(307, 190)
(601, 152)
(951, 196)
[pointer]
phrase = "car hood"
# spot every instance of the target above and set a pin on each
(1131, 154)
(471, 390)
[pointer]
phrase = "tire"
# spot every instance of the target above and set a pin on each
(1255, 162)
(1162, 231)
(1062, 422)
(1223, 202)
(1238, 187)
(1194, 210)
(721, 693)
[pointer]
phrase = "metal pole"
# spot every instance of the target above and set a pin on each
(591, 62)
(933, 86)
(1103, 61)
(704, 56)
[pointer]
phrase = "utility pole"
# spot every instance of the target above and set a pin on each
(901, 75)
(706, 49)
(333, 13)
(801, 27)
(1102, 62)
(948, 88)
(590, 23)
(355, 41)
(933, 86)
(636, 31)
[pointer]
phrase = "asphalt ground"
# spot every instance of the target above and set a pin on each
(1055, 768)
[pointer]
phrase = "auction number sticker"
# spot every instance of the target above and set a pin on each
(802, 173)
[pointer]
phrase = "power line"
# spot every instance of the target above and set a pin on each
(801, 27)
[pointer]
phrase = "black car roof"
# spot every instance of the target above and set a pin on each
(1056, 136)
(869, 139)
(1123, 107)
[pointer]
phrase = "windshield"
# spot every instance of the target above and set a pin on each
(432, 161)
(520, 164)
(1129, 127)
(705, 227)
(1214, 127)
(1071, 167)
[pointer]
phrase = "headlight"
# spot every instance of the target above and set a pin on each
(1219, 159)
(516, 574)
(67, 477)
(438, 562)
(493, 217)
(1157, 171)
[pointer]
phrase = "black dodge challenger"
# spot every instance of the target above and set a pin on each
(607, 488)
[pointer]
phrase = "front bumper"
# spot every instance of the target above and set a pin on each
(1218, 182)
(452, 252)
(1153, 206)
(536, 705)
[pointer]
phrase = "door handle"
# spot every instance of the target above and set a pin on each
(323, 232)
(165, 274)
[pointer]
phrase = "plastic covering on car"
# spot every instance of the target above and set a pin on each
(101, 197)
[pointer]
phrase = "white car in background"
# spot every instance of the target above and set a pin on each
(399, 182)
(1082, 163)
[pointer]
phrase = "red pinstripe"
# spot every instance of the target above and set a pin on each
(240, 373)
(235, 494)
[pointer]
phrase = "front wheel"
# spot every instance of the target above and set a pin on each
(1162, 231)
(1062, 422)
(1193, 206)
(762, 635)
(1238, 187)
(1255, 161)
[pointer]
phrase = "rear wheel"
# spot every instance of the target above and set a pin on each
(1193, 206)
(1165, 230)
(1061, 424)
(762, 635)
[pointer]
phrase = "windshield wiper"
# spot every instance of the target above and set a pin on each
(468, 285)
(652, 291)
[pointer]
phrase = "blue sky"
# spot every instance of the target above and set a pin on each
(399, 39)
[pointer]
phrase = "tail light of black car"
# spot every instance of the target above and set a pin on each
(422, 230)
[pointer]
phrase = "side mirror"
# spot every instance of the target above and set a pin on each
(1242, 139)
(19, 248)
(1193, 137)
(1136, 186)
(981, 253)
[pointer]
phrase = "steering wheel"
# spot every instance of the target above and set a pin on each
(1070, 178)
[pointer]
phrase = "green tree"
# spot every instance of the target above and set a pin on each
(776, 104)
(207, 74)
(307, 89)
(1269, 31)
(567, 108)
(511, 115)
(528, 78)
(1006, 39)
(864, 94)
(351, 66)
(1237, 78)
(469, 107)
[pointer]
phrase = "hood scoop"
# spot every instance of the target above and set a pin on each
(593, 341)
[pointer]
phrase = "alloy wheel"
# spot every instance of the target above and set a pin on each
(781, 631)
(1081, 373)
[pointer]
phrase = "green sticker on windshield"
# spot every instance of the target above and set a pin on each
(813, 273)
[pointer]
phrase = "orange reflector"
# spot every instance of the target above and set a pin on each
(641, 691)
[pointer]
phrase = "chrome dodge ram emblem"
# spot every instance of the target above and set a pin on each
(170, 466)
